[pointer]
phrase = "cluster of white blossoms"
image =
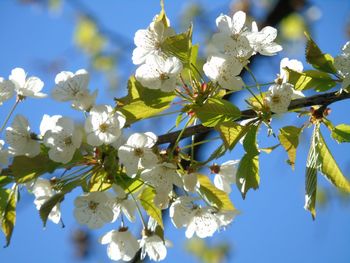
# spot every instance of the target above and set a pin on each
(342, 64)
(156, 70)
(280, 94)
(120, 176)
(231, 48)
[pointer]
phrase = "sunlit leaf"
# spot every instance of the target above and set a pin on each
(8, 219)
(311, 79)
(147, 202)
(216, 111)
(248, 174)
(289, 139)
(213, 195)
(231, 133)
(142, 103)
(311, 174)
(341, 133)
(179, 46)
(317, 58)
(99, 181)
(330, 168)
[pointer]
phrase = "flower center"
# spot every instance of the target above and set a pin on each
(93, 205)
(163, 77)
(68, 140)
(103, 127)
(138, 152)
(276, 99)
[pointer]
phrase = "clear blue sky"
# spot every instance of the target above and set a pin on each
(273, 226)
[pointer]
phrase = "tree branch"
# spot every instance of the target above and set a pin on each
(322, 99)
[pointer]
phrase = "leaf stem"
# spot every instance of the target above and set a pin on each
(10, 114)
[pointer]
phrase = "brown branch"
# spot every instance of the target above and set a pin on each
(323, 99)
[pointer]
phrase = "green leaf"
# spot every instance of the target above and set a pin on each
(213, 195)
(26, 169)
(317, 58)
(8, 219)
(231, 133)
(341, 133)
(142, 103)
(99, 181)
(179, 46)
(329, 167)
(147, 202)
(249, 142)
(311, 79)
(5, 180)
(130, 185)
(248, 174)
(269, 150)
(216, 111)
(289, 139)
(47, 207)
(311, 174)
(4, 196)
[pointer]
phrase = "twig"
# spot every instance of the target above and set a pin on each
(323, 99)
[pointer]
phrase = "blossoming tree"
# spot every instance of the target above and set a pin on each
(139, 177)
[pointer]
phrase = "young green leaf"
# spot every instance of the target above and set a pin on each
(26, 169)
(329, 167)
(311, 174)
(142, 103)
(214, 196)
(179, 46)
(249, 142)
(289, 139)
(248, 174)
(47, 207)
(216, 111)
(231, 133)
(147, 202)
(317, 58)
(311, 79)
(8, 218)
(99, 181)
(341, 133)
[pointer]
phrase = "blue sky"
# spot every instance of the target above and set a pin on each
(272, 227)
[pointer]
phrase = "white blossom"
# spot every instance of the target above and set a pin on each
(278, 97)
(190, 182)
(93, 209)
(4, 155)
(225, 72)
(20, 139)
(74, 87)
(148, 41)
(122, 245)
(342, 64)
(263, 41)
(159, 73)
(42, 190)
(103, 126)
(231, 39)
(154, 247)
(26, 87)
(121, 204)
(63, 139)
(6, 90)
(226, 175)
(292, 64)
(203, 223)
(162, 177)
(137, 152)
(48, 123)
(226, 217)
(181, 211)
